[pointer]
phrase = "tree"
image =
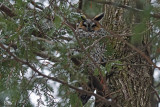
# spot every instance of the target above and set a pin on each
(38, 45)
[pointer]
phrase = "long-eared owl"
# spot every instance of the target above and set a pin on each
(91, 34)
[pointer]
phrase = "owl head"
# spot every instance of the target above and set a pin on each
(90, 25)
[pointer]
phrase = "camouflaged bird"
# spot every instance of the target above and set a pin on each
(90, 33)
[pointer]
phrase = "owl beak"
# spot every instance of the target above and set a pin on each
(90, 30)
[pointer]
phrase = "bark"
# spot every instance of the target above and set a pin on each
(131, 83)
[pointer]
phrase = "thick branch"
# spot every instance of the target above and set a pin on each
(6, 10)
(155, 15)
(117, 5)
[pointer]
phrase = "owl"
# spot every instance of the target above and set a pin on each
(91, 33)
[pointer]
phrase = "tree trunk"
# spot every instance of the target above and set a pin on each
(130, 84)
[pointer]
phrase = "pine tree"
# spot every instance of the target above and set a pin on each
(38, 53)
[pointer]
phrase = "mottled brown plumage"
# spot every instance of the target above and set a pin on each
(89, 31)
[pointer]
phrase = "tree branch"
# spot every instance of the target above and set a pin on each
(141, 53)
(34, 4)
(157, 94)
(57, 80)
(43, 55)
(6, 10)
(117, 5)
(155, 15)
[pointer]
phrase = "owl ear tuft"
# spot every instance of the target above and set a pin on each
(83, 17)
(98, 17)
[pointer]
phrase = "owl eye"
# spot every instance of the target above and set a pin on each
(85, 24)
(94, 25)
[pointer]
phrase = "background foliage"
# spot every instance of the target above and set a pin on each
(37, 41)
